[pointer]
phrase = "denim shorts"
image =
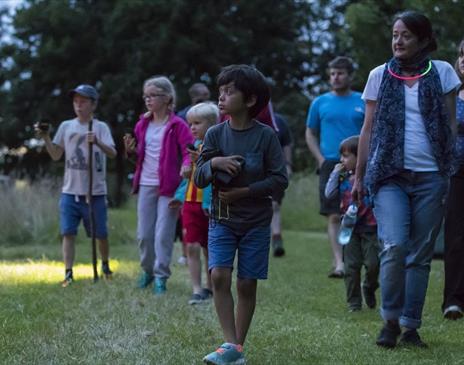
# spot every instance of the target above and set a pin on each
(73, 208)
(252, 249)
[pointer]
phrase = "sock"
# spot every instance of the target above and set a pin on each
(68, 273)
(276, 237)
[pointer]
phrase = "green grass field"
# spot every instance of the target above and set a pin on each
(301, 315)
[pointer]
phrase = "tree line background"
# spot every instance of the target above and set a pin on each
(50, 46)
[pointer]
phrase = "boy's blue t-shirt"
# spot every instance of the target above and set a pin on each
(335, 118)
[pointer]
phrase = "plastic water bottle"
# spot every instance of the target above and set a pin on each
(348, 223)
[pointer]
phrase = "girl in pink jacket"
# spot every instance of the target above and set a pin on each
(160, 146)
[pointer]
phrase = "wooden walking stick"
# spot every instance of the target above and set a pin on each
(91, 213)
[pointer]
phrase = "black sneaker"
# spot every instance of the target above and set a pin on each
(412, 338)
(278, 247)
(388, 335)
(369, 297)
(196, 298)
(206, 293)
(107, 273)
(453, 312)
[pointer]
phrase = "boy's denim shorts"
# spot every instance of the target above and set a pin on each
(252, 247)
(73, 208)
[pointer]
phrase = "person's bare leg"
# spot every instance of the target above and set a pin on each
(246, 302)
(276, 231)
(68, 248)
(104, 248)
(276, 225)
(224, 302)
(194, 266)
(209, 285)
(333, 227)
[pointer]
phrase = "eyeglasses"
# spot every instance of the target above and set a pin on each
(152, 96)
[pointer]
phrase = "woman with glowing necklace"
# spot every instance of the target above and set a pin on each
(405, 158)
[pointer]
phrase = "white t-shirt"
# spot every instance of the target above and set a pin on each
(150, 167)
(418, 155)
(71, 136)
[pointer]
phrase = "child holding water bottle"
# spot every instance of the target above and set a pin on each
(361, 249)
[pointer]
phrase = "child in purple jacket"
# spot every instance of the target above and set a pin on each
(162, 159)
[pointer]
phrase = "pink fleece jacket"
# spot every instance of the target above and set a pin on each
(173, 153)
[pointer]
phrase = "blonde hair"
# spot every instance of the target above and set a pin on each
(207, 110)
(163, 83)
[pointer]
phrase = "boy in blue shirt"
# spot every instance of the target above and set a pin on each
(333, 116)
(243, 160)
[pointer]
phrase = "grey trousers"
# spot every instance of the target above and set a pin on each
(156, 225)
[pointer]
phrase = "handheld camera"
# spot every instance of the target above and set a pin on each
(43, 126)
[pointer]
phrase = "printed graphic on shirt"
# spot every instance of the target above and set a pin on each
(77, 160)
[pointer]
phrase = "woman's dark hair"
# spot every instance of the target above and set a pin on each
(350, 145)
(456, 65)
(250, 82)
(419, 25)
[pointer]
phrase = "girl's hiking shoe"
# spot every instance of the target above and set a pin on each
(226, 354)
(160, 286)
(144, 280)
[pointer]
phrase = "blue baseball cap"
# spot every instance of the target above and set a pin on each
(85, 90)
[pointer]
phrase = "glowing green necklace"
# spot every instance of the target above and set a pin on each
(415, 77)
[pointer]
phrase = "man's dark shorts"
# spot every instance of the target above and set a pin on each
(327, 206)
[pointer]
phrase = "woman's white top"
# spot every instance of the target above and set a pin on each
(418, 155)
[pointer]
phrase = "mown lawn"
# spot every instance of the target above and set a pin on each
(301, 317)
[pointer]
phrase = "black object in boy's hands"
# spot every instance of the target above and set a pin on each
(221, 176)
(225, 178)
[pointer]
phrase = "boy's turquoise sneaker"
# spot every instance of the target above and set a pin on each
(160, 286)
(226, 354)
(144, 280)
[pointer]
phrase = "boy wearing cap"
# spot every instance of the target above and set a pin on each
(73, 138)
